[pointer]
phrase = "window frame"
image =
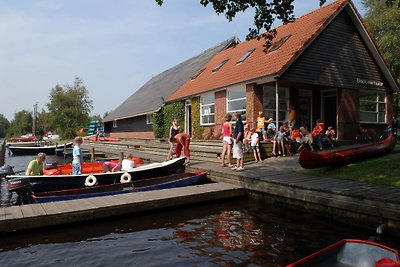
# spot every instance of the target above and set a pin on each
(207, 105)
(228, 101)
(377, 103)
(149, 118)
(272, 110)
(245, 56)
(220, 65)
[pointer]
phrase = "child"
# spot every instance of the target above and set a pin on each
(247, 137)
(255, 143)
(318, 133)
(271, 128)
(330, 135)
(227, 140)
(261, 125)
(306, 138)
(278, 140)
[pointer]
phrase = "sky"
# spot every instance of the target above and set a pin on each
(113, 46)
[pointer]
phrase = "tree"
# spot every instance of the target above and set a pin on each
(21, 124)
(4, 125)
(69, 108)
(382, 19)
(265, 13)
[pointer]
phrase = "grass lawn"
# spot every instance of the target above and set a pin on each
(383, 170)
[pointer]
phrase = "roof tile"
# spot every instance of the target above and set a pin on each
(260, 64)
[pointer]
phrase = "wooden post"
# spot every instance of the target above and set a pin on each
(2, 153)
(56, 149)
(65, 150)
(121, 156)
(92, 154)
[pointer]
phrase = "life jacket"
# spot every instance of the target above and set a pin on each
(319, 129)
(261, 122)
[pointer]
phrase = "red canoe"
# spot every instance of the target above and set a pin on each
(351, 253)
(310, 160)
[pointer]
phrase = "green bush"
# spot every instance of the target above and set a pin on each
(163, 118)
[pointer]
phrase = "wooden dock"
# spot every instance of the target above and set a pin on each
(63, 212)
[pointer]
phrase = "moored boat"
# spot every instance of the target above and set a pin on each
(155, 183)
(351, 253)
(310, 160)
(43, 183)
(101, 139)
(87, 167)
(34, 150)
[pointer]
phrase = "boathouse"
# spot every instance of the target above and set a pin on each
(133, 118)
(325, 64)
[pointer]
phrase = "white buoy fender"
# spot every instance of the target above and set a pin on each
(126, 178)
(91, 180)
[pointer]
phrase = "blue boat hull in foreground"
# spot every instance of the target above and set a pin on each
(163, 182)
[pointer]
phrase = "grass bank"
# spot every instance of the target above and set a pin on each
(383, 170)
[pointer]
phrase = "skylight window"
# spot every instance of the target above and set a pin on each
(276, 45)
(220, 65)
(243, 58)
(197, 74)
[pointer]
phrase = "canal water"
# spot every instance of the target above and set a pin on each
(239, 232)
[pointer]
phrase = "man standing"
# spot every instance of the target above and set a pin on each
(35, 167)
(238, 142)
(182, 140)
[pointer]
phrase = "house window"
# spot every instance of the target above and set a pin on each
(276, 45)
(236, 102)
(243, 58)
(207, 109)
(372, 107)
(149, 118)
(115, 125)
(219, 65)
(197, 74)
(269, 100)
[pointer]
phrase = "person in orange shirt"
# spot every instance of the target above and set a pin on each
(318, 133)
(261, 120)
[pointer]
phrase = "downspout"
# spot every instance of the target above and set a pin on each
(276, 102)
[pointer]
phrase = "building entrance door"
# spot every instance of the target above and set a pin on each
(329, 108)
(303, 114)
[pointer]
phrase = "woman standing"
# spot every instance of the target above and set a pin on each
(227, 141)
(173, 130)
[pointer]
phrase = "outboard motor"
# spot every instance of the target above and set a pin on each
(19, 184)
(6, 170)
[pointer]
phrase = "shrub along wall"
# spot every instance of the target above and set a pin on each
(163, 118)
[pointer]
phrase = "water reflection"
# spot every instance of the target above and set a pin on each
(245, 232)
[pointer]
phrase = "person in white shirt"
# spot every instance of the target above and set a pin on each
(255, 145)
(127, 163)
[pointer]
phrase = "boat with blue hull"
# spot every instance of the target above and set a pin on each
(156, 183)
(44, 183)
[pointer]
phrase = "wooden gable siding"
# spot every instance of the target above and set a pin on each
(336, 58)
(134, 124)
